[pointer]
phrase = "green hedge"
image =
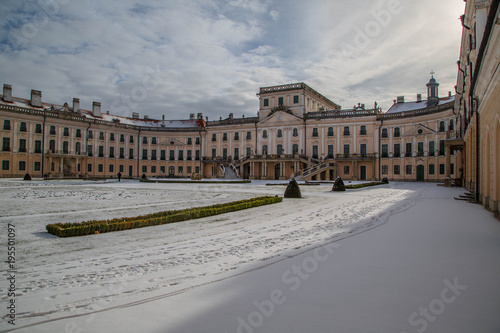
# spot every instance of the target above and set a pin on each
(364, 185)
(171, 216)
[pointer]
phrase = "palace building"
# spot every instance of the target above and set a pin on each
(297, 132)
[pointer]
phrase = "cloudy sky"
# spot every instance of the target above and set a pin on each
(176, 57)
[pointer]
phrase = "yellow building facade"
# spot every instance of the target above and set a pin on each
(297, 132)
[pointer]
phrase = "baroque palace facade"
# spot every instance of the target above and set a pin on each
(297, 132)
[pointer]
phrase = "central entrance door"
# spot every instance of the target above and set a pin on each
(420, 173)
(363, 172)
(277, 170)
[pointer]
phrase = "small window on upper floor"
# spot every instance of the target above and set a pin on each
(264, 134)
(266, 102)
(397, 132)
(385, 133)
(22, 127)
(330, 131)
(346, 130)
(296, 99)
(362, 130)
(280, 100)
(315, 131)
(280, 133)
(6, 124)
(295, 132)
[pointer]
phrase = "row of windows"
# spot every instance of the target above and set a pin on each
(409, 169)
(296, 100)
(397, 132)
(409, 151)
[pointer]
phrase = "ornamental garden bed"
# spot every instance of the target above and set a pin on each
(171, 216)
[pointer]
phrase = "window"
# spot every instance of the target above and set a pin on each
(181, 155)
(362, 130)
(295, 132)
(38, 146)
(236, 136)
(431, 169)
(38, 128)
(330, 131)
(214, 137)
(52, 130)
(385, 151)
(279, 149)
(408, 169)
(180, 169)
(189, 156)
(295, 149)
(315, 131)
(122, 152)
(171, 155)
(153, 140)
(131, 139)
(441, 147)
(264, 134)
(266, 102)
(214, 153)
(420, 149)
(296, 99)
(144, 168)
(346, 150)
(385, 133)
(197, 155)
(431, 148)
(441, 169)
(347, 170)
(171, 171)
(224, 153)
(346, 130)
(78, 133)
(52, 146)
(89, 167)
(452, 125)
(38, 166)
(197, 141)
(121, 168)
(197, 169)
(78, 147)
(144, 140)
(122, 138)
(330, 151)
(144, 154)
(363, 149)
(280, 100)
(280, 133)
(315, 152)
(153, 154)
(5, 165)
(131, 153)
(408, 150)
(52, 166)
(397, 169)
(101, 135)
(65, 131)
(249, 151)
(22, 165)
(385, 169)
(22, 127)
(111, 168)
(189, 169)
(22, 145)
(441, 126)
(162, 169)
(101, 151)
(189, 141)
(237, 153)
(264, 150)
(112, 137)
(452, 168)
(162, 155)
(397, 133)
(249, 135)
(397, 150)
(224, 136)
(111, 152)
(90, 134)
(65, 147)
(6, 126)
(89, 150)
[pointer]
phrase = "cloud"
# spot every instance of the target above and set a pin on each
(182, 57)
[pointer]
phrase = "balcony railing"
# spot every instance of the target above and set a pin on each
(355, 156)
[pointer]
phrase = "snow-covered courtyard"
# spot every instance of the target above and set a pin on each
(402, 257)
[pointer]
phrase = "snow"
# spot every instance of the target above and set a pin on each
(366, 260)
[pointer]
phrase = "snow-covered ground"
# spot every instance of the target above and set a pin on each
(367, 260)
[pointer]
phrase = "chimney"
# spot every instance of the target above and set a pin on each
(200, 115)
(146, 117)
(231, 116)
(76, 105)
(449, 93)
(401, 99)
(191, 116)
(36, 98)
(7, 93)
(96, 109)
(419, 97)
(135, 115)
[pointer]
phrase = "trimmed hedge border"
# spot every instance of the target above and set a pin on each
(363, 185)
(170, 216)
(197, 181)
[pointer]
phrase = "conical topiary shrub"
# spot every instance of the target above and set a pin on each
(338, 185)
(144, 176)
(27, 176)
(293, 190)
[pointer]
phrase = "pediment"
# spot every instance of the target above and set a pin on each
(419, 130)
(280, 118)
(172, 142)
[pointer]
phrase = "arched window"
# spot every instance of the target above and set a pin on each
(78, 147)
(295, 132)
(264, 150)
(280, 149)
(295, 149)
(280, 133)
(65, 147)
(52, 146)
(264, 134)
